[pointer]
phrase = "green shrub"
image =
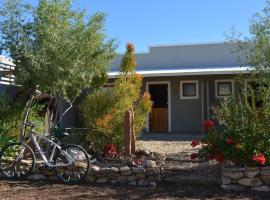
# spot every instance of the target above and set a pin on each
(11, 118)
(104, 109)
(240, 131)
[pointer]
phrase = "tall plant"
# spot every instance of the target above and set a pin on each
(104, 109)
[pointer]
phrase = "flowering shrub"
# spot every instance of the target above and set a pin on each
(239, 131)
(110, 150)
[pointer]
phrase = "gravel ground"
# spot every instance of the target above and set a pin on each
(179, 168)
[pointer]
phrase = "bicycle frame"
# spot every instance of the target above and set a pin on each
(48, 161)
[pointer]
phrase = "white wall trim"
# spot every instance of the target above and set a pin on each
(197, 89)
(220, 81)
(169, 102)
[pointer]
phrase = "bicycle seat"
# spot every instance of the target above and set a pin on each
(59, 132)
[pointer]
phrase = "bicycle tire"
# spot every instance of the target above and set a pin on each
(65, 175)
(21, 167)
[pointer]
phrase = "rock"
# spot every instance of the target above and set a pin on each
(145, 151)
(266, 179)
(150, 163)
(114, 169)
(131, 178)
(113, 181)
(233, 169)
(104, 170)
(138, 170)
(140, 176)
(153, 184)
(233, 187)
(233, 175)
(251, 174)
(150, 171)
(133, 183)
(102, 180)
(252, 182)
(36, 177)
(225, 180)
(263, 188)
(265, 172)
(121, 179)
(126, 173)
(124, 169)
(91, 179)
(95, 168)
(143, 182)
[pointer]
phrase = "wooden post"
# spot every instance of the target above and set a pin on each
(133, 138)
(127, 136)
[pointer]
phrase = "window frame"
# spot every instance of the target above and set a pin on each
(182, 89)
(223, 81)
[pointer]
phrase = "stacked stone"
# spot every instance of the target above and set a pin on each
(240, 178)
(147, 175)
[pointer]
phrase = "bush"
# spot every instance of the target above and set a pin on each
(104, 109)
(239, 130)
(11, 119)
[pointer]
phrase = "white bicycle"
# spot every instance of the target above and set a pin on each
(18, 160)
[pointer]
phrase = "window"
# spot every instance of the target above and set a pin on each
(189, 90)
(224, 88)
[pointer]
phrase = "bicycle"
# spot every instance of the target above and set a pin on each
(18, 160)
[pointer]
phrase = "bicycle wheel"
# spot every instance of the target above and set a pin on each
(79, 168)
(17, 160)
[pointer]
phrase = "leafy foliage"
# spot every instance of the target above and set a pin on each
(56, 47)
(241, 130)
(11, 119)
(104, 109)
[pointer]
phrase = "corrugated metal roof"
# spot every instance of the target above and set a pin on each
(189, 71)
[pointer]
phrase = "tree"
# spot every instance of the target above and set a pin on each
(60, 49)
(104, 110)
(56, 47)
(260, 53)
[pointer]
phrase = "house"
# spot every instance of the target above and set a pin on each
(6, 68)
(185, 81)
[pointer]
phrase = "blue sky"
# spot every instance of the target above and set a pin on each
(156, 22)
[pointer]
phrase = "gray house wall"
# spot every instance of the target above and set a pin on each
(187, 115)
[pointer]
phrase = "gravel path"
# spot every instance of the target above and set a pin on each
(179, 168)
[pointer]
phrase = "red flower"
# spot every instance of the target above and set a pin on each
(208, 124)
(219, 157)
(110, 150)
(195, 142)
(259, 158)
(194, 156)
(230, 141)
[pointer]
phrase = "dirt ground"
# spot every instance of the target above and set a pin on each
(22, 190)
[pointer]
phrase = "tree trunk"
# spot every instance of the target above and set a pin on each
(133, 138)
(127, 131)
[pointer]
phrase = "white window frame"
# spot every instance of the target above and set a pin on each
(221, 81)
(182, 90)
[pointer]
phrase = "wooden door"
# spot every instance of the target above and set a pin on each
(158, 121)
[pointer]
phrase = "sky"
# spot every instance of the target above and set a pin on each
(163, 22)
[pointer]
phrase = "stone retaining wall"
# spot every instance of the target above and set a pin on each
(242, 178)
(147, 175)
